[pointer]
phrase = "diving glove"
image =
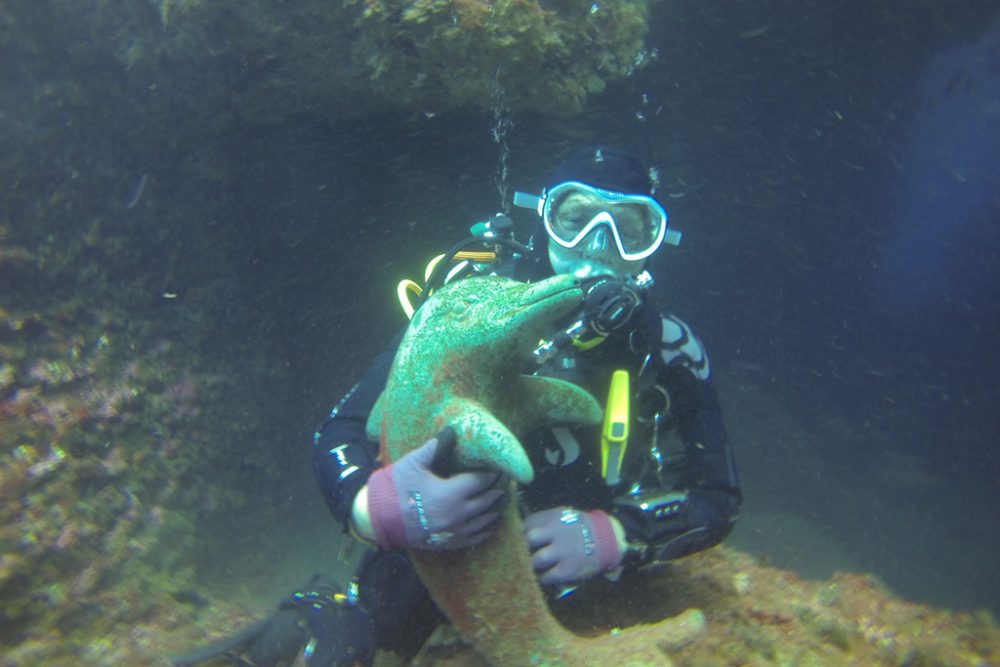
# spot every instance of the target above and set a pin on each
(416, 503)
(568, 545)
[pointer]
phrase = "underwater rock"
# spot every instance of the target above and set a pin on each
(545, 56)
(754, 615)
(262, 61)
(86, 468)
(758, 615)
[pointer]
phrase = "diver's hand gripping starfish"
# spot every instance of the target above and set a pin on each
(568, 545)
(412, 507)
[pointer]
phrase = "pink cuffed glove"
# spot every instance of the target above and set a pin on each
(569, 545)
(411, 507)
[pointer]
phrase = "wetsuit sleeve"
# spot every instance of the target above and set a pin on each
(343, 456)
(698, 511)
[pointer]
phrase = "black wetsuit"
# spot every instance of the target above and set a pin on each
(679, 492)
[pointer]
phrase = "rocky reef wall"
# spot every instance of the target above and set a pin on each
(113, 409)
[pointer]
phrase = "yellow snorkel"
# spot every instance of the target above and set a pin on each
(614, 435)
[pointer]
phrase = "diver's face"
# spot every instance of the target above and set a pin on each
(584, 262)
(596, 254)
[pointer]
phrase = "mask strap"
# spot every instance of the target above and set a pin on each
(524, 200)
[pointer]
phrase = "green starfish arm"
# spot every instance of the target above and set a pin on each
(484, 441)
(553, 401)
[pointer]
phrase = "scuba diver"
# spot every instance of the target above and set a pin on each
(655, 482)
(315, 626)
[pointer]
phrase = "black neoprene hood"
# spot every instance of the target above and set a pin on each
(605, 168)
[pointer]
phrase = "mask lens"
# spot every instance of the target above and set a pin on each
(570, 214)
(573, 211)
(636, 226)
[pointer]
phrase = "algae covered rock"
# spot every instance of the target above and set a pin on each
(267, 61)
(546, 56)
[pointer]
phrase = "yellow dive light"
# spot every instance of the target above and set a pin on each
(614, 436)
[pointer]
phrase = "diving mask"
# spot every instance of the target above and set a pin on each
(576, 215)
